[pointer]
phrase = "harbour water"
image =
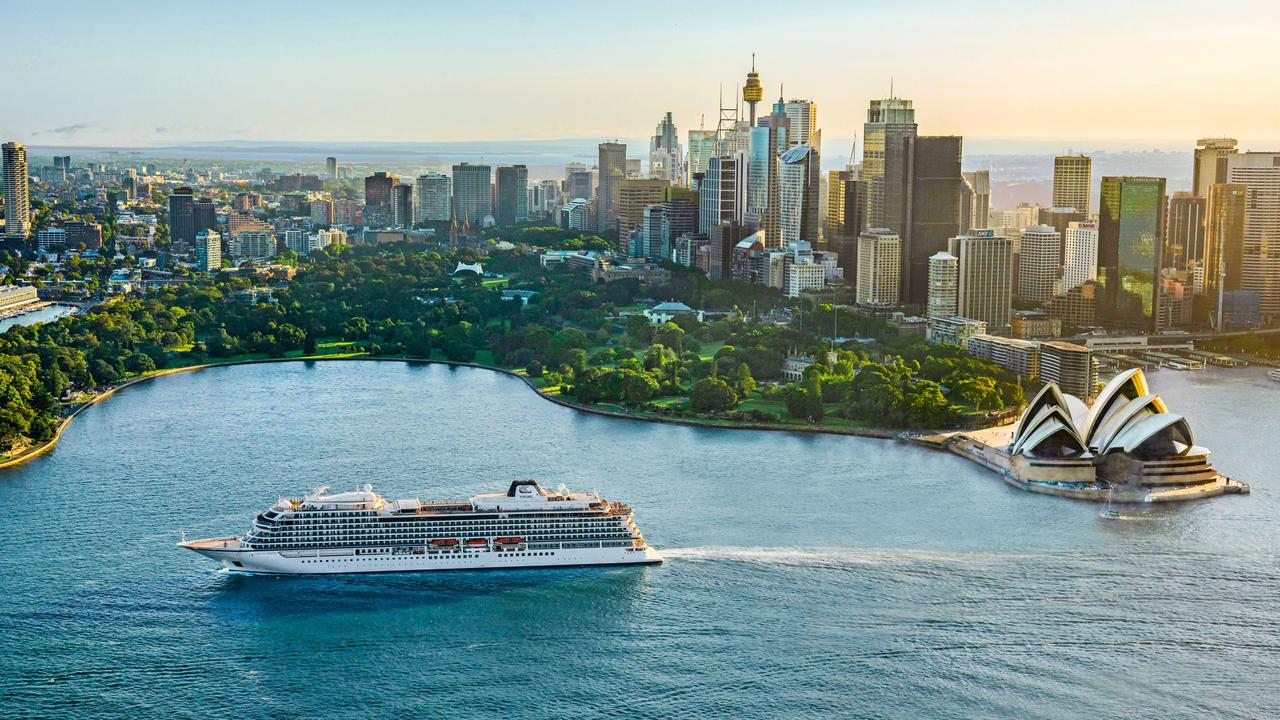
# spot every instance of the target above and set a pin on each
(47, 313)
(807, 576)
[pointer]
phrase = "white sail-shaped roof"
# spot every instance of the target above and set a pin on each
(1138, 431)
(1123, 416)
(1049, 420)
(1048, 395)
(1128, 385)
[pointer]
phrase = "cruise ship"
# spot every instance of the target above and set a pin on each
(359, 531)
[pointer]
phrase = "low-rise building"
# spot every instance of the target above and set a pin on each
(954, 330)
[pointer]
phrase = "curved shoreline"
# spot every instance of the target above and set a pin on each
(35, 452)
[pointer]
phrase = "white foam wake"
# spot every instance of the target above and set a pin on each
(831, 557)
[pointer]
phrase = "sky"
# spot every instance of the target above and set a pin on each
(1127, 72)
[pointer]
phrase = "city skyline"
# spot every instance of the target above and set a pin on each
(511, 75)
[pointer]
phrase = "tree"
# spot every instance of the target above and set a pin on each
(711, 394)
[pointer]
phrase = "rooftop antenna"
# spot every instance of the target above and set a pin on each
(891, 95)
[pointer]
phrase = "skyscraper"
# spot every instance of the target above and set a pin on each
(1039, 264)
(331, 167)
(975, 210)
(1223, 268)
(984, 286)
(665, 157)
(798, 195)
(17, 191)
(613, 170)
(432, 198)
(208, 251)
(884, 161)
(1072, 175)
(702, 145)
(1079, 254)
(402, 205)
(634, 195)
(1131, 216)
(846, 213)
(377, 199)
(472, 196)
(802, 118)
(1259, 172)
(182, 220)
(1210, 163)
(204, 215)
(879, 258)
(944, 278)
(934, 195)
(1184, 232)
(513, 194)
(722, 194)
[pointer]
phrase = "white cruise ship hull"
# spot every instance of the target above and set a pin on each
(230, 554)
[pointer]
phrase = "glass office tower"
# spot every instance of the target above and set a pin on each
(1130, 239)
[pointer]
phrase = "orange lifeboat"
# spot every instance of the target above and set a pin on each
(477, 542)
(510, 540)
(444, 543)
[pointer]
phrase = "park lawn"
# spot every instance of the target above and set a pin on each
(709, 350)
(495, 282)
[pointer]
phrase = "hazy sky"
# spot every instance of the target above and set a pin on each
(151, 73)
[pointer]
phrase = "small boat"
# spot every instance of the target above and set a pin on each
(444, 543)
(1108, 511)
(477, 542)
(510, 541)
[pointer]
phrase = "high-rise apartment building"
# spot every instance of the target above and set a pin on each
(1039, 264)
(512, 191)
(182, 219)
(321, 212)
(879, 268)
(799, 188)
(1210, 163)
(1131, 216)
(331, 168)
(472, 195)
(613, 170)
(433, 191)
(17, 191)
(1259, 172)
(208, 251)
(885, 165)
(984, 286)
(1072, 175)
(944, 289)
(1079, 254)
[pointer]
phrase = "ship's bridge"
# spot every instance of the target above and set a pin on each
(528, 495)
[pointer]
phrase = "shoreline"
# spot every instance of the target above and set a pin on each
(36, 451)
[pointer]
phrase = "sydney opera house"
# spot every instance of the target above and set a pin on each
(1127, 445)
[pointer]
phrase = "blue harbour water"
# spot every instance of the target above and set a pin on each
(806, 576)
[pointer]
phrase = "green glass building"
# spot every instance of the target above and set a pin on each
(1131, 217)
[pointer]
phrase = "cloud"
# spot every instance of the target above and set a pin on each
(65, 129)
